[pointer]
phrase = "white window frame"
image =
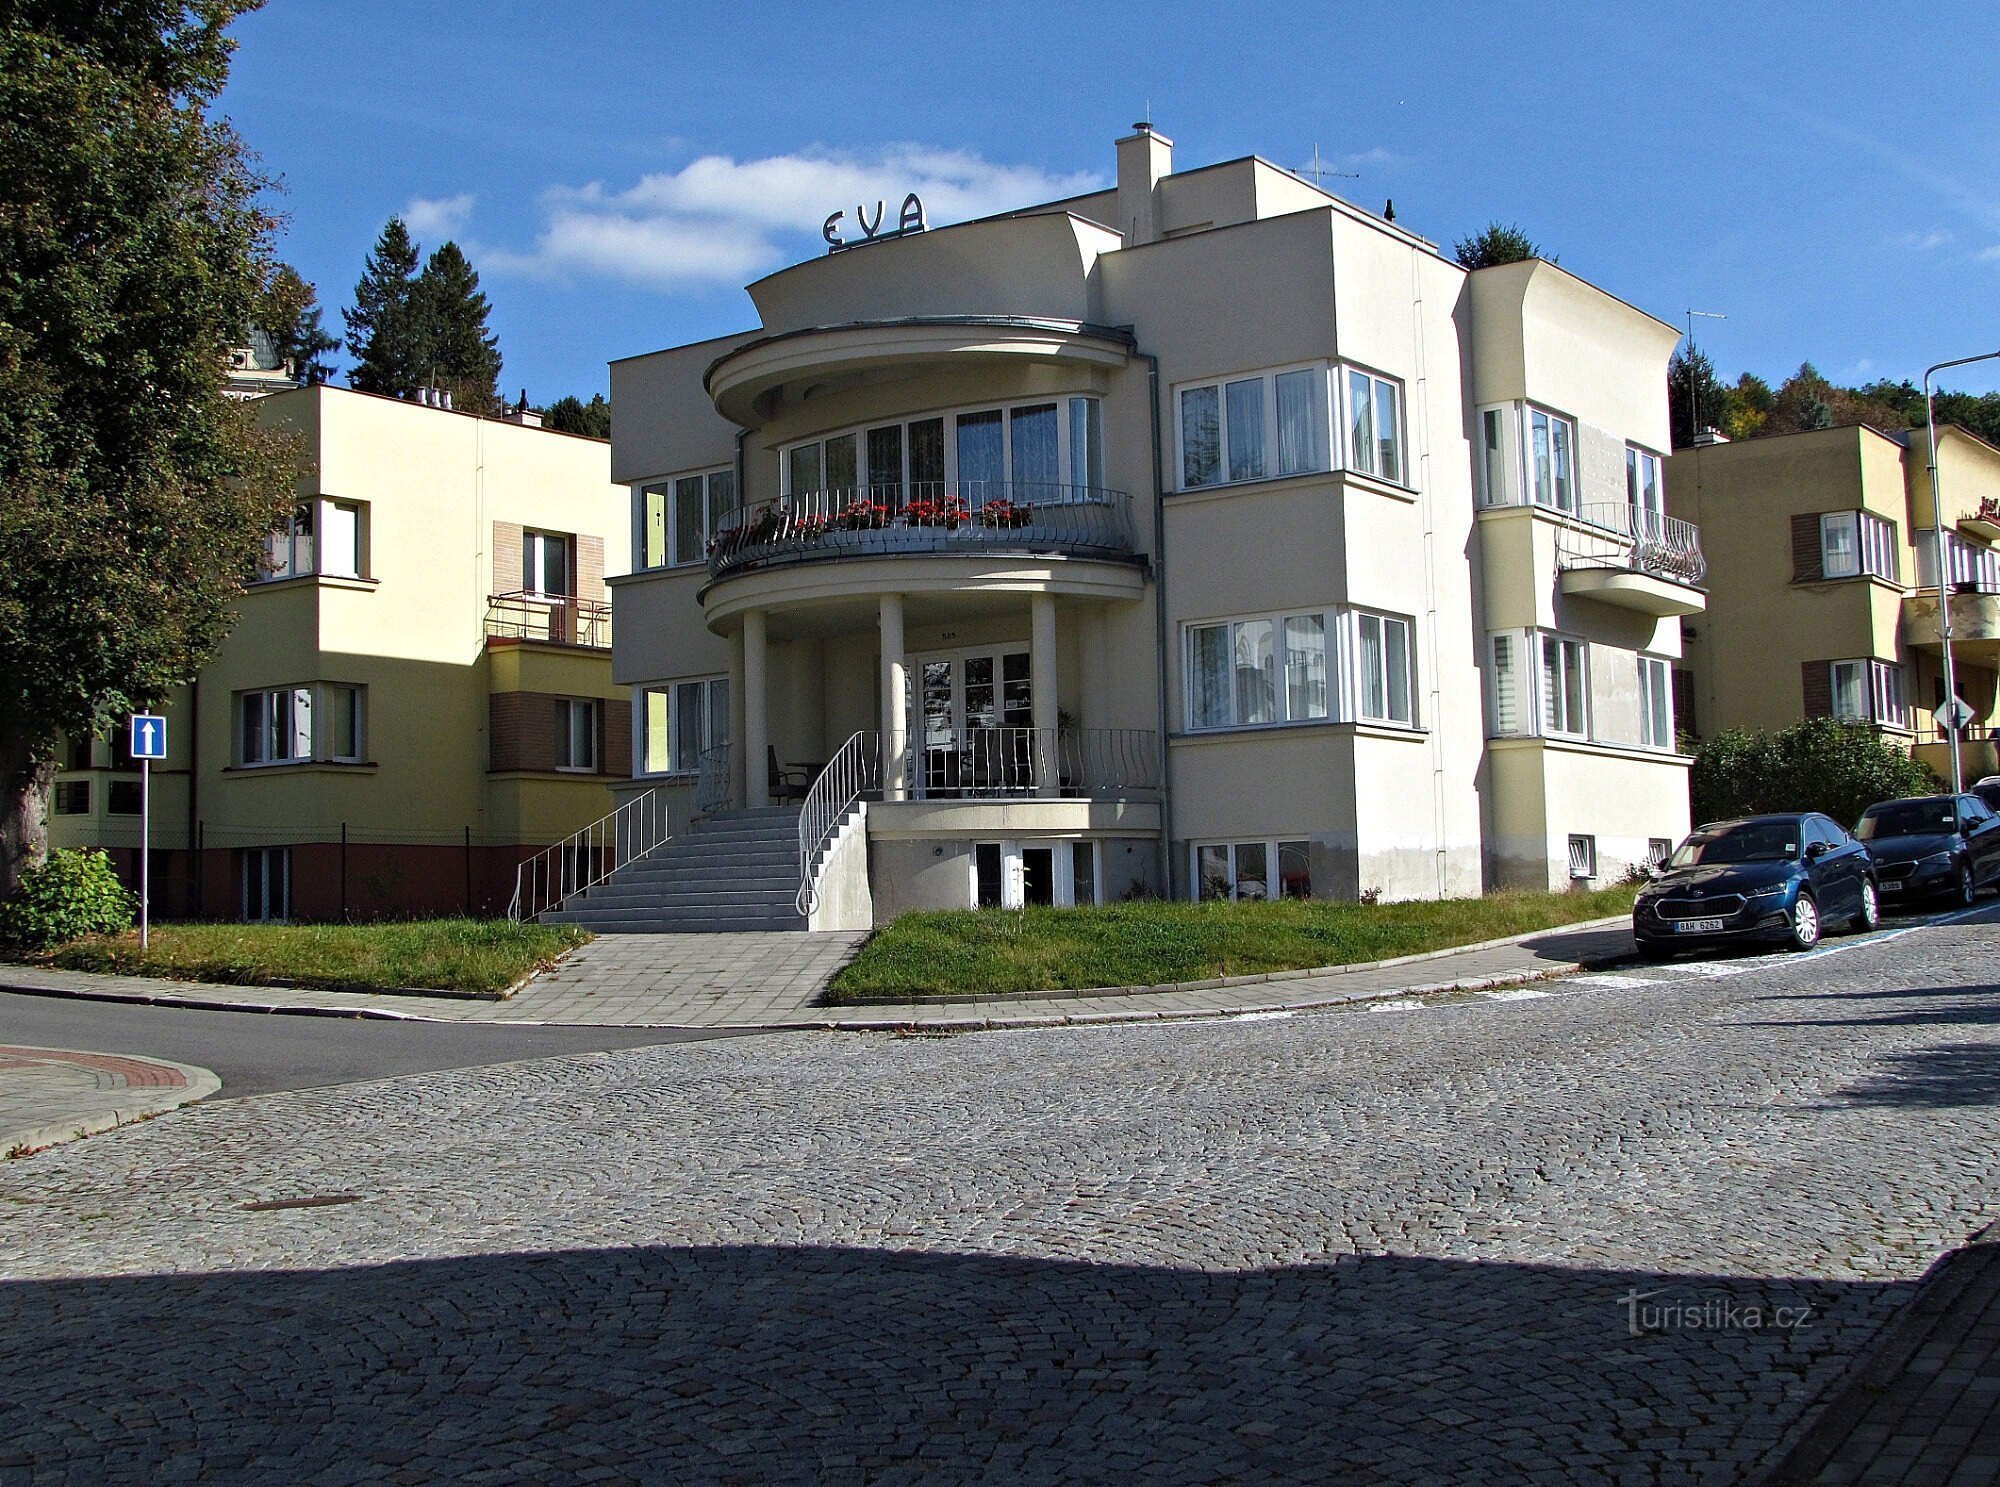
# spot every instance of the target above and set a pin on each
(1638, 463)
(1319, 421)
(1968, 565)
(1562, 470)
(675, 694)
(310, 741)
(535, 544)
(1879, 689)
(1274, 849)
(1282, 668)
(1354, 625)
(290, 553)
(1549, 692)
(649, 524)
(1871, 540)
(1062, 872)
(1070, 462)
(1582, 857)
(257, 863)
(1656, 703)
(569, 711)
(1367, 462)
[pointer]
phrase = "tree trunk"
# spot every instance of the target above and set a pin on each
(25, 781)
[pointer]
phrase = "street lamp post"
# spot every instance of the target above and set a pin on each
(1943, 574)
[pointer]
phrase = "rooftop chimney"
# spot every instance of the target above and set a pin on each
(1144, 159)
(1710, 436)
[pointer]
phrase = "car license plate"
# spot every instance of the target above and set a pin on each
(1890, 887)
(1698, 927)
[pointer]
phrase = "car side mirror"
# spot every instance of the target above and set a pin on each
(1816, 850)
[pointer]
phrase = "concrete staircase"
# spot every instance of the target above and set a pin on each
(734, 872)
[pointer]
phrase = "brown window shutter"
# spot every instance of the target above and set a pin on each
(616, 756)
(503, 731)
(1817, 681)
(507, 544)
(1807, 560)
(590, 568)
(1684, 703)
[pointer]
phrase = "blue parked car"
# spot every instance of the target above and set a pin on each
(1932, 846)
(1782, 877)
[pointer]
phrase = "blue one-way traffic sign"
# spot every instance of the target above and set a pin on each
(149, 736)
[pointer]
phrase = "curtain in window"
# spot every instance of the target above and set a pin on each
(1493, 440)
(982, 468)
(1245, 407)
(1388, 432)
(1552, 688)
(1256, 672)
(927, 458)
(1201, 436)
(1305, 666)
(1559, 437)
(1849, 704)
(1506, 685)
(1374, 697)
(721, 499)
(1545, 489)
(1037, 463)
(1086, 443)
(1208, 668)
(1361, 422)
(1298, 429)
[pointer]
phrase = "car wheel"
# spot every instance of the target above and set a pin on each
(1966, 891)
(1871, 908)
(1805, 923)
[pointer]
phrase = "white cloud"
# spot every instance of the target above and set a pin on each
(438, 217)
(1926, 242)
(1989, 255)
(720, 220)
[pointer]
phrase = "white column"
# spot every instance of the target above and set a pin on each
(1042, 690)
(895, 712)
(756, 724)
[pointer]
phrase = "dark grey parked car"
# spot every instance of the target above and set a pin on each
(1932, 846)
(1783, 878)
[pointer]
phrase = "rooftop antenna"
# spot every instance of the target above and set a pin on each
(1319, 172)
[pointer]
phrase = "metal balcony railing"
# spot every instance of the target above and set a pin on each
(1617, 534)
(926, 517)
(561, 619)
(1074, 762)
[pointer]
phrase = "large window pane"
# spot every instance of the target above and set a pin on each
(1305, 666)
(302, 539)
(1396, 637)
(1493, 452)
(1295, 869)
(1086, 443)
(1574, 681)
(657, 755)
(721, 499)
(1213, 870)
(687, 518)
(1374, 695)
(1545, 490)
(1361, 450)
(1253, 872)
(1256, 671)
(688, 699)
(1245, 403)
(1037, 465)
(344, 704)
(1554, 720)
(802, 468)
(1559, 432)
(340, 547)
(1201, 437)
(1388, 432)
(653, 521)
(1208, 670)
(1298, 425)
(716, 707)
(982, 457)
(885, 466)
(842, 472)
(927, 457)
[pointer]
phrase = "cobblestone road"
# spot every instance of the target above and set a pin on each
(1543, 1240)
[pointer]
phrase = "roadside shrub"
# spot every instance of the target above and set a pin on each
(1816, 765)
(69, 895)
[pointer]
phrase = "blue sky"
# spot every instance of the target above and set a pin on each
(1824, 175)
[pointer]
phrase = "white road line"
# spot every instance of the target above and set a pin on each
(1515, 994)
(1612, 980)
(1402, 1004)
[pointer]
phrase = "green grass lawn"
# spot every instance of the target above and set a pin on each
(977, 952)
(481, 957)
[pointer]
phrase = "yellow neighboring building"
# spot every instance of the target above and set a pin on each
(418, 695)
(1823, 584)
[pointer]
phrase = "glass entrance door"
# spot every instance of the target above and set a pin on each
(972, 729)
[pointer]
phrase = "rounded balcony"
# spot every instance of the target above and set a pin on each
(749, 382)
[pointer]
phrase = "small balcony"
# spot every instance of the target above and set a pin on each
(549, 619)
(927, 517)
(1975, 623)
(1637, 559)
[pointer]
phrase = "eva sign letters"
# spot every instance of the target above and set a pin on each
(911, 220)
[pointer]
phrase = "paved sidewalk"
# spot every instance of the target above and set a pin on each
(1922, 1409)
(51, 1095)
(773, 981)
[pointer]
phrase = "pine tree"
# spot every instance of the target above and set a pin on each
(1497, 242)
(291, 316)
(572, 415)
(384, 333)
(459, 354)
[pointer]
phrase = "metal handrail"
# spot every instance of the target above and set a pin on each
(1011, 760)
(926, 516)
(854, 771)
(1627, 536)
(583, 859)
(563, 619)
(715, 787)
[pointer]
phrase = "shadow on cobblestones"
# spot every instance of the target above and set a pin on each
(1946, 1078)
(1922, 1006)
(825, 1365)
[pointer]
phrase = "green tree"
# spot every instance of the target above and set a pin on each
(1497, 242)
(134, 252)
(574, 416)
(290, 313)
(1696, 399)
(384, 331)
(458, 353)
(1816, 765)
(1748, 406)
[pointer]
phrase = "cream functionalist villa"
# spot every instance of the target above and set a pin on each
(1204, 536)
